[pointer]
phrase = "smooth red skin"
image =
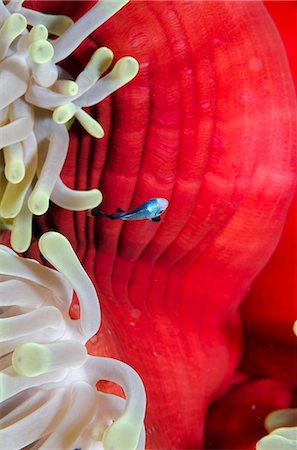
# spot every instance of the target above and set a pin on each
(239, 417)
(270, 310)
(203, 126)
(277, 282)
(284, 15)
(268, 314)
(270, 307)
(269, 353)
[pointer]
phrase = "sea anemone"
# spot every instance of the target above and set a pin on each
(48, 380)
(38, 100)
(211, 125)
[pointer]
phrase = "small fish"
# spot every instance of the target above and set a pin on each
(151, 210)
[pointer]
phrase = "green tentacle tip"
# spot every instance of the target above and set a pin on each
(38, 202)
(38, 32)
(58, 24)
(126, 68)
(67, 87)
(100, 61)
(90, 124)
(15, 171)
(52, 241)
(30, 359)
(13, 26)
(64, 113)
(41, 51)
(121, 434)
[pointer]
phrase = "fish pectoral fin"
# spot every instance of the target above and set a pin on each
(156, 219)
(120, 210)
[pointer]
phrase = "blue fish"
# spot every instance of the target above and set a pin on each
(151, 210)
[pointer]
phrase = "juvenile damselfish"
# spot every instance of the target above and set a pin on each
(151, 210)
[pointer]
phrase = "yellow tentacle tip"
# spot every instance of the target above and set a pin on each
(41, 51)
(38, 203)
(90, 125)
(58, 24)
(66, 87)
(95, 197)
(38, 33)
(64, 113)
(30, 359)
(13, 26)
(51, 238)
(100, 61)
(51, 244)
(126, 69)
(121, 434)
(14, 171)
(21, 233)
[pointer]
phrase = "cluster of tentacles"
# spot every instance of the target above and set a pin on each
(38, 100)
(48, 380)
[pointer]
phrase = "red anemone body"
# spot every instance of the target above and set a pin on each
(209, 123)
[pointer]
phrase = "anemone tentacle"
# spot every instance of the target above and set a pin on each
(36, 92)
(48, 380)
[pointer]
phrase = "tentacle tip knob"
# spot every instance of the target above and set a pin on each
(126, 69)
(71, 88)
(38, 32)
(19, 244)
(41, 51)
(52, 240)
(30, 359)
(121, 434)
(38, 203)
(60, 25)
(97, 197)
(64, 113)
(90, 125)
(15, 172)
(100, 60)
(15, 25)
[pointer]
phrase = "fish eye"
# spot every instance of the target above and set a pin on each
(161, 210)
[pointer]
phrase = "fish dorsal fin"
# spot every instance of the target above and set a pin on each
(156, 219)
(120, 210)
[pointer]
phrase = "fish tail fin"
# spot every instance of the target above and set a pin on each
(98, 213)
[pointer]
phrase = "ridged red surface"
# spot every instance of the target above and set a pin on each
(209, 123)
